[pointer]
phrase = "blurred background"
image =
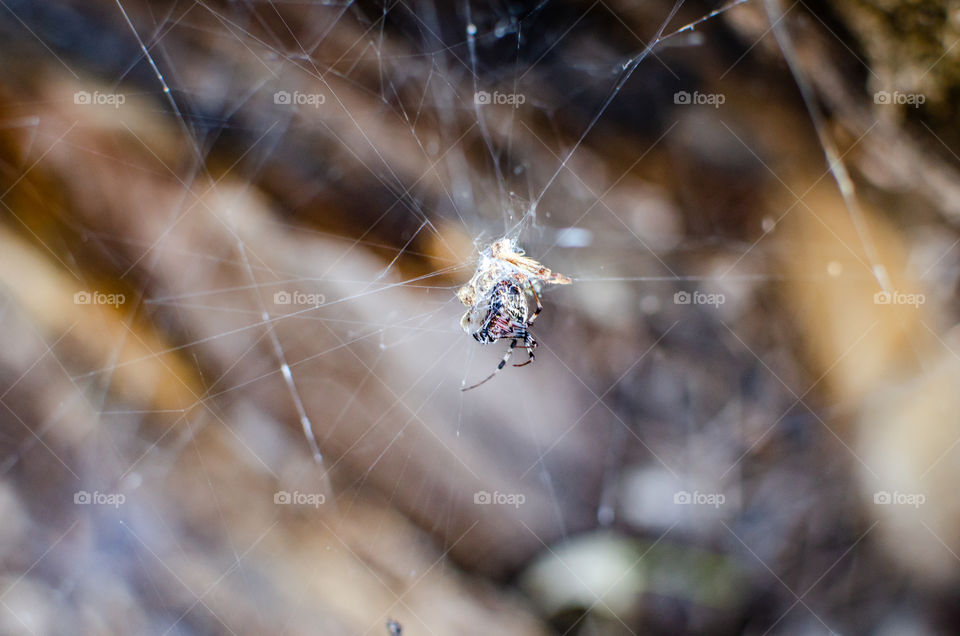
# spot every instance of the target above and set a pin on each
(231, 364)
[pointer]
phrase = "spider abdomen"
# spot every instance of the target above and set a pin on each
(507, 314)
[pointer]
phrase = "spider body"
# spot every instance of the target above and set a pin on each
(506, 316)
(496, 299)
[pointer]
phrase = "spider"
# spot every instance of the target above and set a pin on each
(496, 299)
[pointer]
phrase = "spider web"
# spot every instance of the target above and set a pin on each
(312, 305)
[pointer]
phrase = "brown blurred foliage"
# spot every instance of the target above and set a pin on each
(799, 398)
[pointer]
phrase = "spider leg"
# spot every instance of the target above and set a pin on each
(536, 312)
(529, 344)
(503, 363)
